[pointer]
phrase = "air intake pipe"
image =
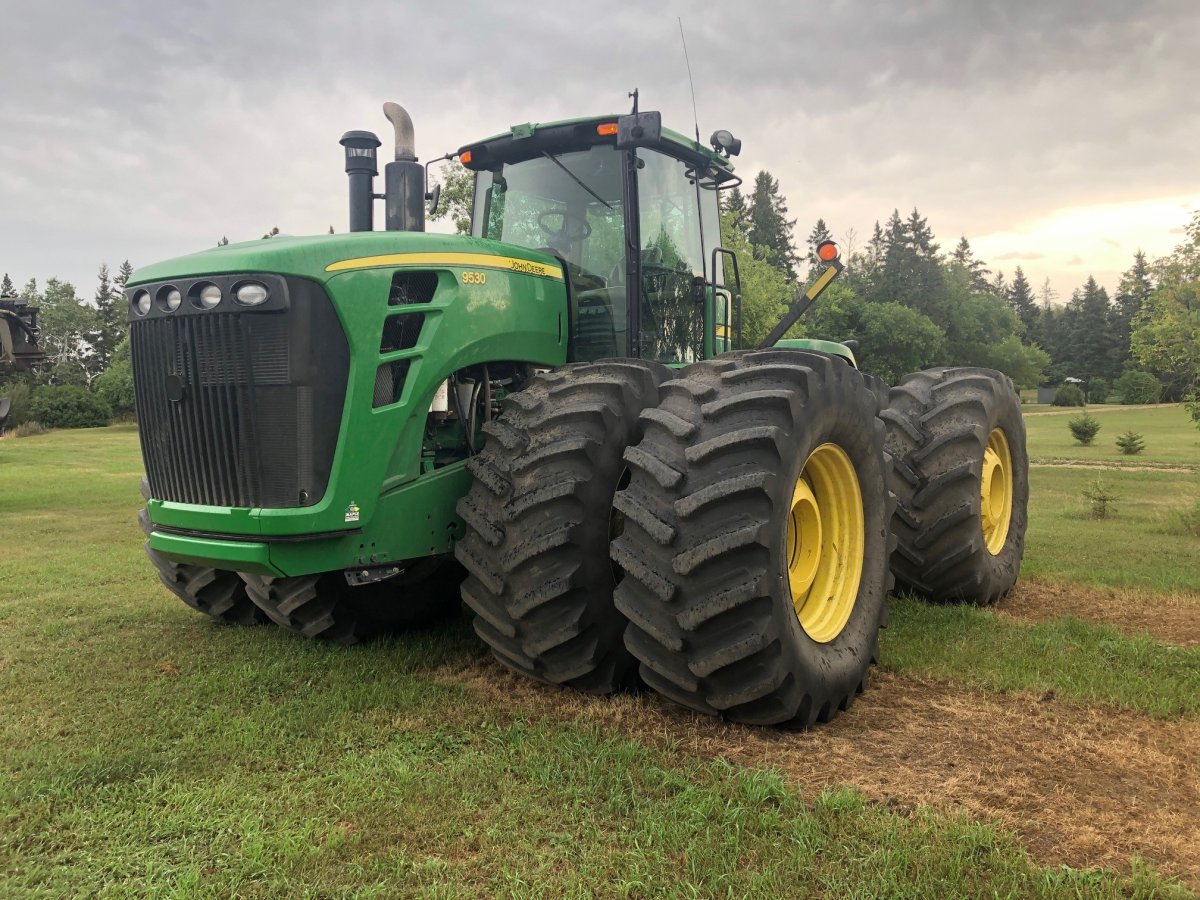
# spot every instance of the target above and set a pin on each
(404, 179)
(361, 169)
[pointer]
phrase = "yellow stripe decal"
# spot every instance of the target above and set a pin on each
(473, 260)
(819, 285)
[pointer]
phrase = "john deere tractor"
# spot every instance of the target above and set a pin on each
(555, 419)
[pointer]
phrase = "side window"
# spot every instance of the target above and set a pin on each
(672, 255)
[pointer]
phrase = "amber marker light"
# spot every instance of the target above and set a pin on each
(465, 157)
(827, 251)
(606, 129)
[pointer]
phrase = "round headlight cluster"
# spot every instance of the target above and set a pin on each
(201, 295)
(251, 293)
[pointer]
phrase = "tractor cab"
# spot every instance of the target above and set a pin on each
(630, 209)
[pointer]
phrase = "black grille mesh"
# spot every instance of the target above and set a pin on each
(229, 411)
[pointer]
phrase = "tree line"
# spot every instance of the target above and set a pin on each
(910, 305)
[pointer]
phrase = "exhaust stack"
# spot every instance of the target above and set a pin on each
(361, 169)
(404, 179)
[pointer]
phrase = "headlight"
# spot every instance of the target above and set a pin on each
(141, 302)
(209, 296)
(169, 298)
(250, 293)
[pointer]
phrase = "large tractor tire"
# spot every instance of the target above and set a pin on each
(326, 607)
(214, 592)
(960, 473)
(756, 538)
(539, 521)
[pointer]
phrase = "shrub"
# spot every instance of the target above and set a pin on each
(1131, 443)
(68, 406)
(1100, 499)
(1098, 390)
(18, 392)
(1084, 428)
(115, 387)
(1138, 387)
(1068, 395)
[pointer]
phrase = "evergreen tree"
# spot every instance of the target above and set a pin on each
(911, 271)
(1135, 288)
(819, 233)
(735, 212)
(964, 256)
(770, 227)
(223, 241)
(6, 287)
(122, 278)
(1088, 351)
(1020, 297)
(110, 319)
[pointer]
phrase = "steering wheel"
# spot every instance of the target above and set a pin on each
(572, 229)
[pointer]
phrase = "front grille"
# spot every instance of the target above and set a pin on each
(241, 408)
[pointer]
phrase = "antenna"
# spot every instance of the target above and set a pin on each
(691, 84)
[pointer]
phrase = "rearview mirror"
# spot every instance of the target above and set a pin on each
(640, 128)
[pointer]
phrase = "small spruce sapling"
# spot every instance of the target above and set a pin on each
(1084, 428)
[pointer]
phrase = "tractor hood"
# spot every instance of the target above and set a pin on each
(320, 257)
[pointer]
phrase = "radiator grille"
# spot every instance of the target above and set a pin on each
(229, 412)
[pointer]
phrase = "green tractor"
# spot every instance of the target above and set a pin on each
(554, 419)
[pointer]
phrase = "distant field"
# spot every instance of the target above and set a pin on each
(1167, 429)
(146, 751)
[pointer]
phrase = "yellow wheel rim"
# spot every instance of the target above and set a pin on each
(825, 543)
(996, 492)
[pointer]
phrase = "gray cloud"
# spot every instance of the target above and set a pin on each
(146, 129)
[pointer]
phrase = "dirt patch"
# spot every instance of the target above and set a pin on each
(1117, 407)
(1171, 618)
(1081, 786)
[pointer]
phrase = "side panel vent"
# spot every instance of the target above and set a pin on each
(412, 287)
(401, 332)
(389, 382)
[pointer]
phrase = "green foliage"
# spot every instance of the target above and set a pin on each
(68, 406)
(1138, 387)
(1192, 404)
(1084, 428)
(18, 390)
(1098, 390)
(1130, 443)
(1100, 498)
(115, 384)
(765, 289)
(893, 339)
(768, 227)
(1068, 395)
(458, 196)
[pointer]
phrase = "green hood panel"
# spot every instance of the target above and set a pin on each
(308, 257)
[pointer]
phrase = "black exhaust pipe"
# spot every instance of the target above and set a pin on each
(404, 179)
(361, 168)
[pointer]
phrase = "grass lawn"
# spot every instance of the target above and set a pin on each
(1170, 436)
(144, 750)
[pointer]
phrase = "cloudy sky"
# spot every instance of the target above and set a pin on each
(1058, 135)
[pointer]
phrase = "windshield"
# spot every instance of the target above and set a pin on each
(538, 204)
(570, 205)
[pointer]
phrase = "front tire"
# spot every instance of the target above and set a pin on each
(325, 607)
(961, 477)
(216, 593)
(539, 521)
(738, 608)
